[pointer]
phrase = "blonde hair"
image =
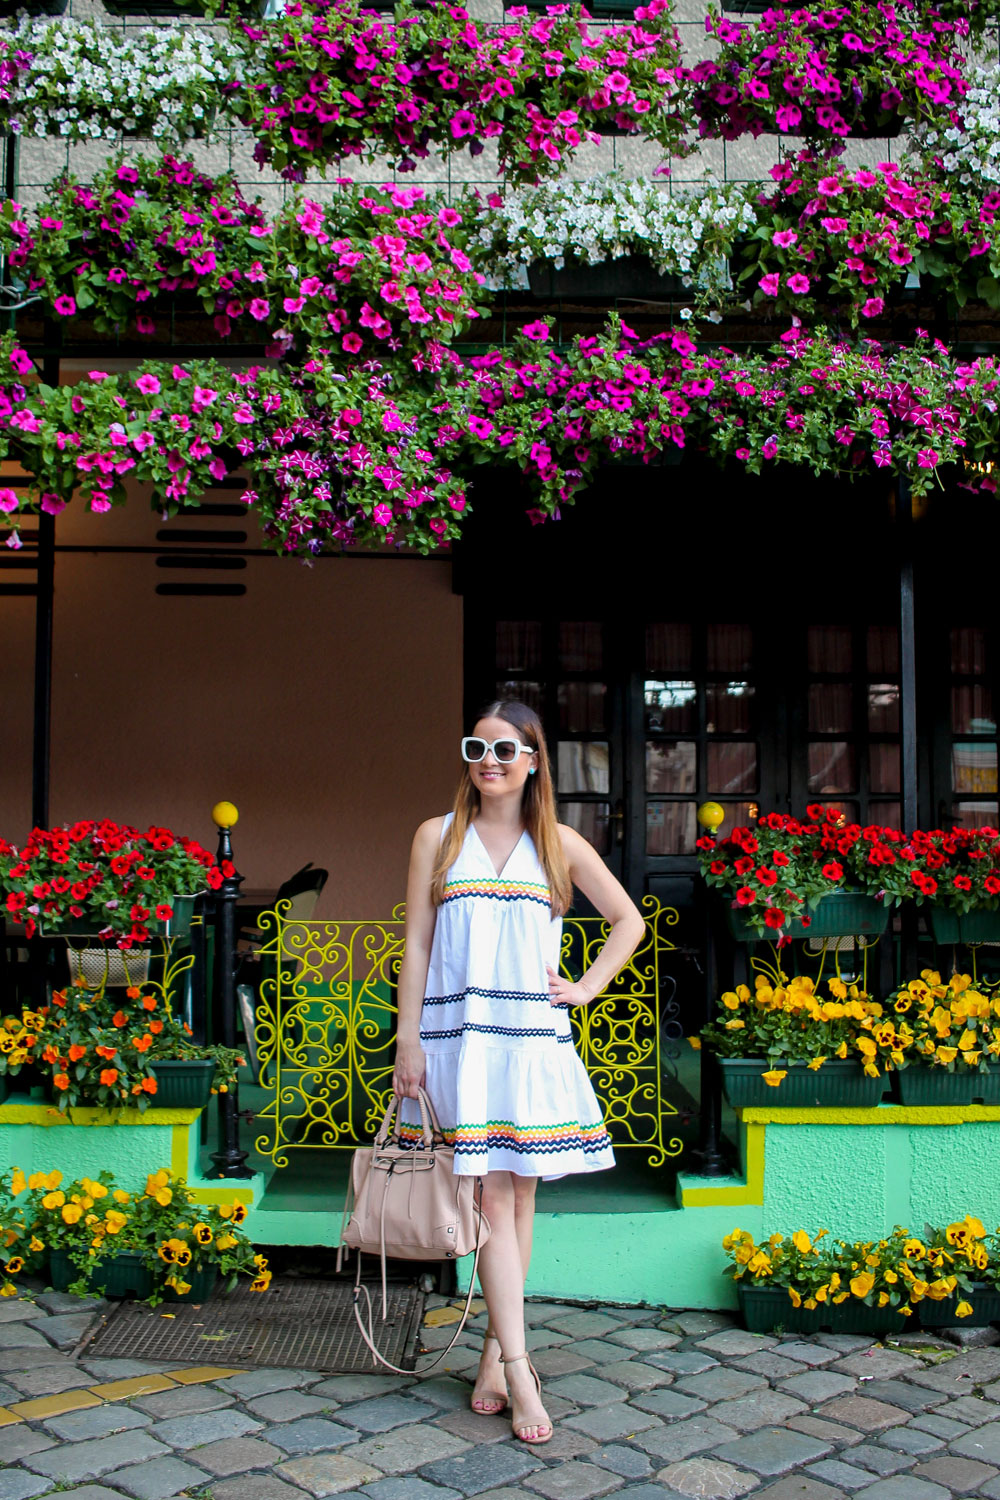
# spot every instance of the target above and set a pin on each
(538, 808)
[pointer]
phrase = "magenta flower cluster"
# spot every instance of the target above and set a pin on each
(14, 63)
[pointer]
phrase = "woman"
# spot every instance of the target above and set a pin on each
(483, 1019)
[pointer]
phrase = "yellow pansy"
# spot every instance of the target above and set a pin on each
(72, 1213)
(801, 1241)
(120, 1195)
(796, 1299)
(862, 1284)
(774, 1076)
(53, 1200)
(17, 1182)
(815, 1062)
(8, 1289)
(963, 1310)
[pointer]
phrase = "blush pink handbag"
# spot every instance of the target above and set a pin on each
(405, 1202)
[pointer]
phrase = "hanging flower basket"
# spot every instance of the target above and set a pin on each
(121, 1275)
(837, 1084)
(627, 276)
(840, 914)
(970, 927)
(985, 1300)
(102, 965)
(935, 1086)
(183, 1085)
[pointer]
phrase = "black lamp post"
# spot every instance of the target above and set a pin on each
(229, 1160)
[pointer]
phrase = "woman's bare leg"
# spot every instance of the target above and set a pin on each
(501, 1274)
(490, 1393)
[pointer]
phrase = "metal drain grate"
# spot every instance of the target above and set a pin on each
(300, 1325)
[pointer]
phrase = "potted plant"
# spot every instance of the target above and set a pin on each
(968, 1253)
(784, 1044)
(20, 1038)
(20, 1247)
(795, 878)
(945, 1039)
(957, 873)
(92, 1051)
(187, 1073)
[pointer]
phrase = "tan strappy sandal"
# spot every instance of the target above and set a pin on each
(535, 1442)
(498, 1399)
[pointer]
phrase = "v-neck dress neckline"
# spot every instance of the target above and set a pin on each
(489, 858)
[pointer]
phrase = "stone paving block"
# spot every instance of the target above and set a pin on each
(182, 1401)
(828, 1432)
(862, 1412)
(708, 1477)
(627, 1462)
(635, 1374)
(682, 1361)
(799, 1487)
(328, 1473)
(543, 1338)
(406, 1448)
(382, 1412)
(65, 1331)
(43, 1407)
(482, 1469)
(972, 1338)
(7, 1394)
(764, 1408)
(971, 1409)
(286, 1406)
(721, 1384)
(991, 1489)
(124, 1369)
(476, 1429)
(879, 1363)
(584, 1325)
(940, 1426)
(445, 1392)
(95, 1422)
(806, 1354)
(204, 1427)
(255, 1487)
(636, 1492)
(671, 1405)
(158, 1480)
(815, 1386)
(911, 1440)
(565, 1443)
(20, 1336)
(881, 1460)
(963, 1475)
(16, 1311)
(90, 1492)
(733, 1342)
(573, 1481)
(49, 1379)
(585, 1390)
(65, 1302)
(960, 1375)
(71, 1462)
(771, 1366)
(682, 1439)
(772, 1450)
(15, 1484)
(615, 1421)
(19, 1442)
(343, 1388)
(562, 1360)
(642, 1339)
(598, 1351)
(983, 1443)
(263, 1382)
(700, 1323)
(237, 1455)
(413, 1488)
(309, 1435)
(13, 1361)
(911, 1398)
(843, 1476)
(198, 1374)
(903, 1489)
(845, 1343)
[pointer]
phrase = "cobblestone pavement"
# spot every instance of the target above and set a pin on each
(648, 1404)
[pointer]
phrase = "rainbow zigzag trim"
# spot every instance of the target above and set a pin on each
(498, 890)
(526, 1140)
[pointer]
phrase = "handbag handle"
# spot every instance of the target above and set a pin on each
(430, 1127)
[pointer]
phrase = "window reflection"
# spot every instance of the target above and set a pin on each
(972, 709)
(668, 649)
(581, 646)
(592, 820)
(829, 648)
(671, 766)
(968, 652)
(729, 648)
(883, 707)
(975, 814)
(581, 706)
(889, 814)
(883, 768)
(732, 767)
(727, 707)
(831, 709)
(974, 767)
(671, 706)
(522, 692)
(671, 827)
(883, 650)
(831, 767)
(519, 646)
(583, 766)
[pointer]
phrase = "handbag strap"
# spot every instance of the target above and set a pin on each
(368, 1334)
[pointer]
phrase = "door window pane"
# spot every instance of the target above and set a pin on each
(975, 814)
(831, 709)
(671, 766)
(968, 652)
(883, 650)
(519, 646)
(668, 649)
(972, 709)
(581, 646)
(729, 648)
(592, 820)
(974, 768)
(671, 827)
(831, 767)
(671, 706)
(727, 707)
(583, 766)
(883, 708)
(522, 692)
(830, 648)
(581, 706)
(883, 768)
(732, 768)
(738, 815)
(889, 814)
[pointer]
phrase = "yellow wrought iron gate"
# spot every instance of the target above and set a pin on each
(325, 1026)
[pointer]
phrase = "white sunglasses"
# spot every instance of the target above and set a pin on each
(504, 751)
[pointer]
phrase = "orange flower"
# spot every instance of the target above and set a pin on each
(109, 1076)
(61, 1081)
(133, 992)
(142, 1043)
(59, 998)
(137, 1088)
(156, 1027)
(76, 1052)
(149, 1085)
(108, 1052)
(119, 1018)
(51, 1054)
(148, 1002)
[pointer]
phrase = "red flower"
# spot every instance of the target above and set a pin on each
(774, 916)
(992, 884)
(833, 871)
(780, 859)
(766, 876)
(962, 883)
(745, 896)
(743, 865)
(164, 913)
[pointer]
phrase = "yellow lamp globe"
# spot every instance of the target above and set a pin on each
(225, 815)
(710, 815)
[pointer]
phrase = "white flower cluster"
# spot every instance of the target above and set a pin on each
(583, 223)
(970, 154)
(90, 82)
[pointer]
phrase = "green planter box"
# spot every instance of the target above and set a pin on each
(836, 1083)
(182, 1085)
(985, 1301)
(121, 1275)
(987, 1085)
(764, 1308)
(202, 1284)
(973, 927)
(5, 1086)
(841, 914)
(917, 1085)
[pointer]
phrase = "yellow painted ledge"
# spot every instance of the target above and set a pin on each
(47, 1115)
(883, 1114)
(732, 1193)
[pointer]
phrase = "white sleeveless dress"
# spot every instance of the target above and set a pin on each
(510, 1091)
